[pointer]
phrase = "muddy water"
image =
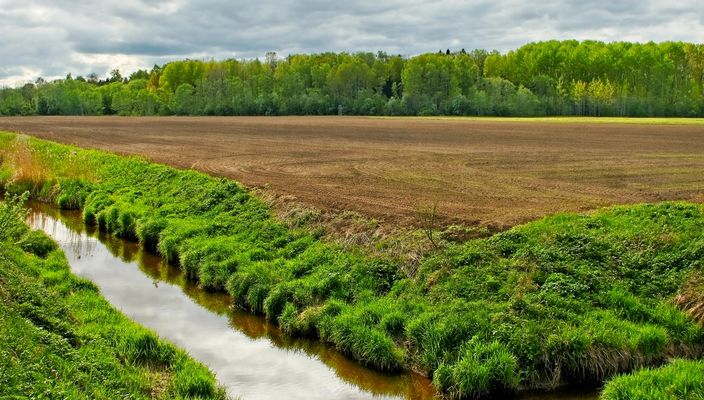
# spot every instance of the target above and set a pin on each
(251, 358)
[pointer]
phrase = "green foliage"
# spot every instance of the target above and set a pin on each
(194, 381)
(60, 339)
(679, 380)
(542, 78)
(364, 342)
(566, 299)
(72, 194)
(483, 369)
(148, 231)
(12, 215)
(37, 243)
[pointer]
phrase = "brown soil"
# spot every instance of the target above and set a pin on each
(479, 172)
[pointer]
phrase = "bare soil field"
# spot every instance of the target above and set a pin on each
(492, 173)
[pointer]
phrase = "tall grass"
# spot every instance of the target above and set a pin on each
(691, 297)
(26, 171)
(680, 380)
(567, 299)
(482, 369)
(60, 339)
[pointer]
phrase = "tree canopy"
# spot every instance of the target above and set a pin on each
(542, 78)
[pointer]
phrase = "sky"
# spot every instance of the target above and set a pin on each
(50, 38)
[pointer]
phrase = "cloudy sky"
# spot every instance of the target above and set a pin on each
(50, 38)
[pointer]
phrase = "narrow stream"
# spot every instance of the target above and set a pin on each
(251, 358)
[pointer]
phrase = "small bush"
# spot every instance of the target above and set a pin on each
(12, 215)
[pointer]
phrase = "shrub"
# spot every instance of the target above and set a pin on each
(12, 215)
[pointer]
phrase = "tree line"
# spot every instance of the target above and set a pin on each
(543, 78)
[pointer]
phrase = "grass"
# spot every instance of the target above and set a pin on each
(59, 338)
(574, 120)
(680, 380)
(691, 297)
(570, 298)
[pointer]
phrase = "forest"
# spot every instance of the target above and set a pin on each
(544, 78)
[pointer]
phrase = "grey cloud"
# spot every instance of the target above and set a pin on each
(54, 37)
(137, 48)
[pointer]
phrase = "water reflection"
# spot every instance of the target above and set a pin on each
(250, 357)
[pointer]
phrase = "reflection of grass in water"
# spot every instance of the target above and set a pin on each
(59, 338)
(412, 386)
(567, 393)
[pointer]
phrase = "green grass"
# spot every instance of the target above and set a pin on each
(569, 298)
(60, 339)
(680, 380)
(575, 120)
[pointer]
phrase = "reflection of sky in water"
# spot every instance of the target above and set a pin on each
(250, 368)
(250, 358)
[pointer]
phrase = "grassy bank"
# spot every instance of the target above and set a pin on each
(680, 380)
(60, 339)
(566, 299)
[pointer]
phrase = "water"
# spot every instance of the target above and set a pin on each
(251, 358)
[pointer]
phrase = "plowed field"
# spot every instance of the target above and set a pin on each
(497, 173)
